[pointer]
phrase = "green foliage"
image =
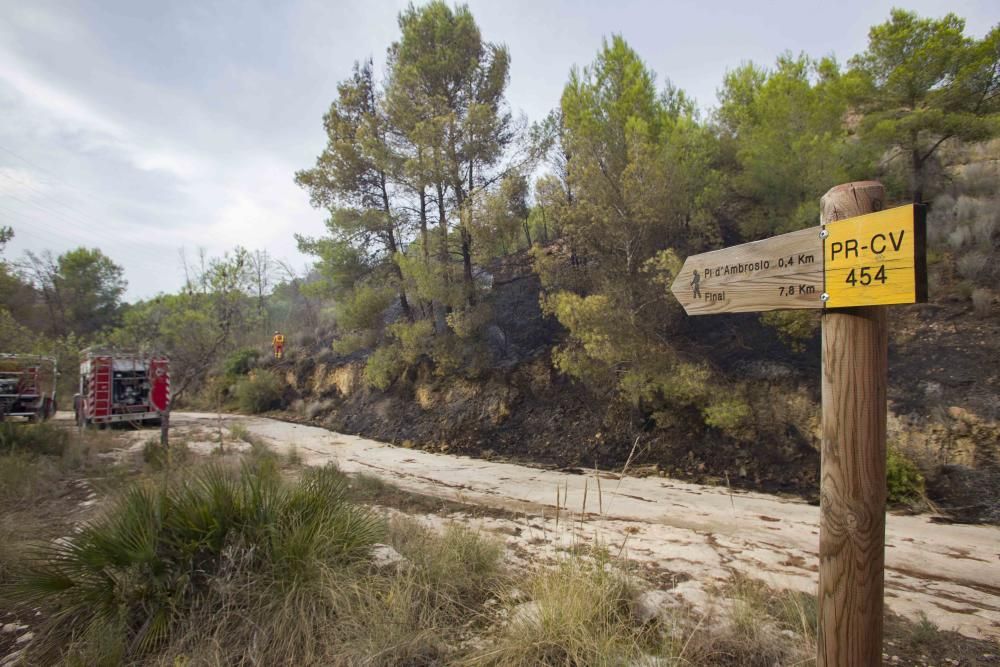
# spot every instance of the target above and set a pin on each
(503, 224)
(430, 281)
(786, 133)
(259, 393)
(350, 343)
(81, 289)
(922, 82)
(202, 324)
(794, 327)
(363, 307)
(122, 585)
(383, 366)
(16, 336)
(731, 416)
(904, 480)
(241, 361)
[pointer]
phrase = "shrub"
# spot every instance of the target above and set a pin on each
(127, 582)
(384, 366)
(979, 179)
(241, 362)
(353, 342)
(259, 393)
(972, 265)
(41, 438)
(731, 416)
(903, 479)
(959, 238)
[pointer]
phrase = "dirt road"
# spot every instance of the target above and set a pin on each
(949, 572)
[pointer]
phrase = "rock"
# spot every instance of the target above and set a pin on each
(652, 605)
(13, 627)
(385, 557)
(693, 593)
(526, 613)
(25, 638)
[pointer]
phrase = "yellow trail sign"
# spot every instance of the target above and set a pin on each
(876, 259)
(871, 259)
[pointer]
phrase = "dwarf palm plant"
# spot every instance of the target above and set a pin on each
(116, 589)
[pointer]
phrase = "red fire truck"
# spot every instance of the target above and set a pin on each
(27, 386)
(122, 387)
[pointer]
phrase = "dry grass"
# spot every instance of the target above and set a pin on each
(577, 614)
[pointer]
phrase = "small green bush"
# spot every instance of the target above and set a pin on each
(352, 342)
(384, 365)
(731, 416)
(241, 362)
(904, 481)
(258, 393)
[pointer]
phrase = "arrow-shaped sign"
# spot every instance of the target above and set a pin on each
(874, 259)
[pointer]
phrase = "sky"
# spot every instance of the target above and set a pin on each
(151, 130)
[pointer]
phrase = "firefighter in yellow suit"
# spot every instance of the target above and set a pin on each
(278, 343)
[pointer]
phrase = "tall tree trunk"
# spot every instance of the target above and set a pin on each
(470, 289)
(527, 232)
(917, 176)
(393, 248)
(443, 230)
(440, 310)
(424, 239)
(464, 206)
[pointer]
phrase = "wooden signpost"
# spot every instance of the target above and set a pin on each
(860, 259)
(867, 260)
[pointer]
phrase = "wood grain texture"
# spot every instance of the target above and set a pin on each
(853, 486)
(782, 272)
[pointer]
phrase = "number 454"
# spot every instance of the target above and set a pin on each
(863, 275)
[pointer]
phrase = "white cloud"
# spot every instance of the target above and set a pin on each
(21, 183)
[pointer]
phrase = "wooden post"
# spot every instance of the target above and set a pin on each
(853, 460)
(165, 428)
